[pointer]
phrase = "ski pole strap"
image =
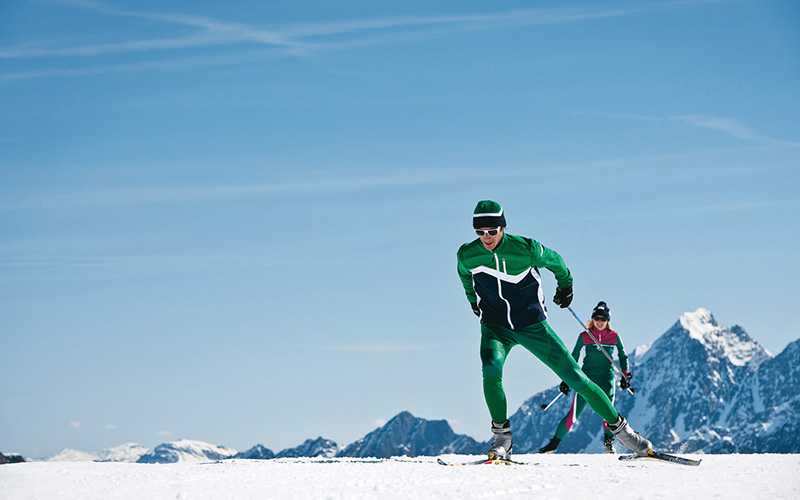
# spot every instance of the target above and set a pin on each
(594, 339)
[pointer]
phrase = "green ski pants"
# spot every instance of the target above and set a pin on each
(542, 341)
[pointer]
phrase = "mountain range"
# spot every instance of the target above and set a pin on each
(700, 388)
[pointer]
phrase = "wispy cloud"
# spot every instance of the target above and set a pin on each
(112, 196)
(183, 63)
(292, 39)
(690, 211)
(211, 32)
(730, 126)
(376, 347)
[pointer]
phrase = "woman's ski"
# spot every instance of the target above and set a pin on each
(663, 457)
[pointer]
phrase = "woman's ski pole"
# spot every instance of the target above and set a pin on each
(599, 346)
(544, 407)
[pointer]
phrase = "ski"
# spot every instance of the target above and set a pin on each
(485, 461)
(662, 457)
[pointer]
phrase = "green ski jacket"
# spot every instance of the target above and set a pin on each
(505, 282)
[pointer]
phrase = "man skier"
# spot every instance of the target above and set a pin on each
(500, 275)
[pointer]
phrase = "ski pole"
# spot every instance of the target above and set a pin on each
(630, 389)
(544, 407)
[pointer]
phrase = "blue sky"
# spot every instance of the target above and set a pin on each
(237, 222)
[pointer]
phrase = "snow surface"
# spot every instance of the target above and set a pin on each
(547, 476)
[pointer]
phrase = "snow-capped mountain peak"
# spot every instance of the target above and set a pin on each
(698, 323)
(732, 343)
(186, 450)
(70, 455)
(128, 452)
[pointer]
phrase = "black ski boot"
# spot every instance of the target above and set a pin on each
(551, 446)
(608, 444)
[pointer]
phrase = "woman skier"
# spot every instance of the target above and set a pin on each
(599, 369)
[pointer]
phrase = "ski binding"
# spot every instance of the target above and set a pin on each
(484, 461)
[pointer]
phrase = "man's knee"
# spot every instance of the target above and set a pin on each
(492, 361)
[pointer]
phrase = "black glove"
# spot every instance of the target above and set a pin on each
(625, 381)
(564, 388)
(475, 308)
(563, 297)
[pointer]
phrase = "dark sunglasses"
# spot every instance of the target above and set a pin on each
(492, 232)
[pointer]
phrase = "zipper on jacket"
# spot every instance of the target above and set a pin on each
(500, 289)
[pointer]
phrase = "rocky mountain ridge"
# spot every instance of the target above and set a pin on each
(700, 387)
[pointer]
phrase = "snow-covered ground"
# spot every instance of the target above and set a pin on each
(546, 476)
